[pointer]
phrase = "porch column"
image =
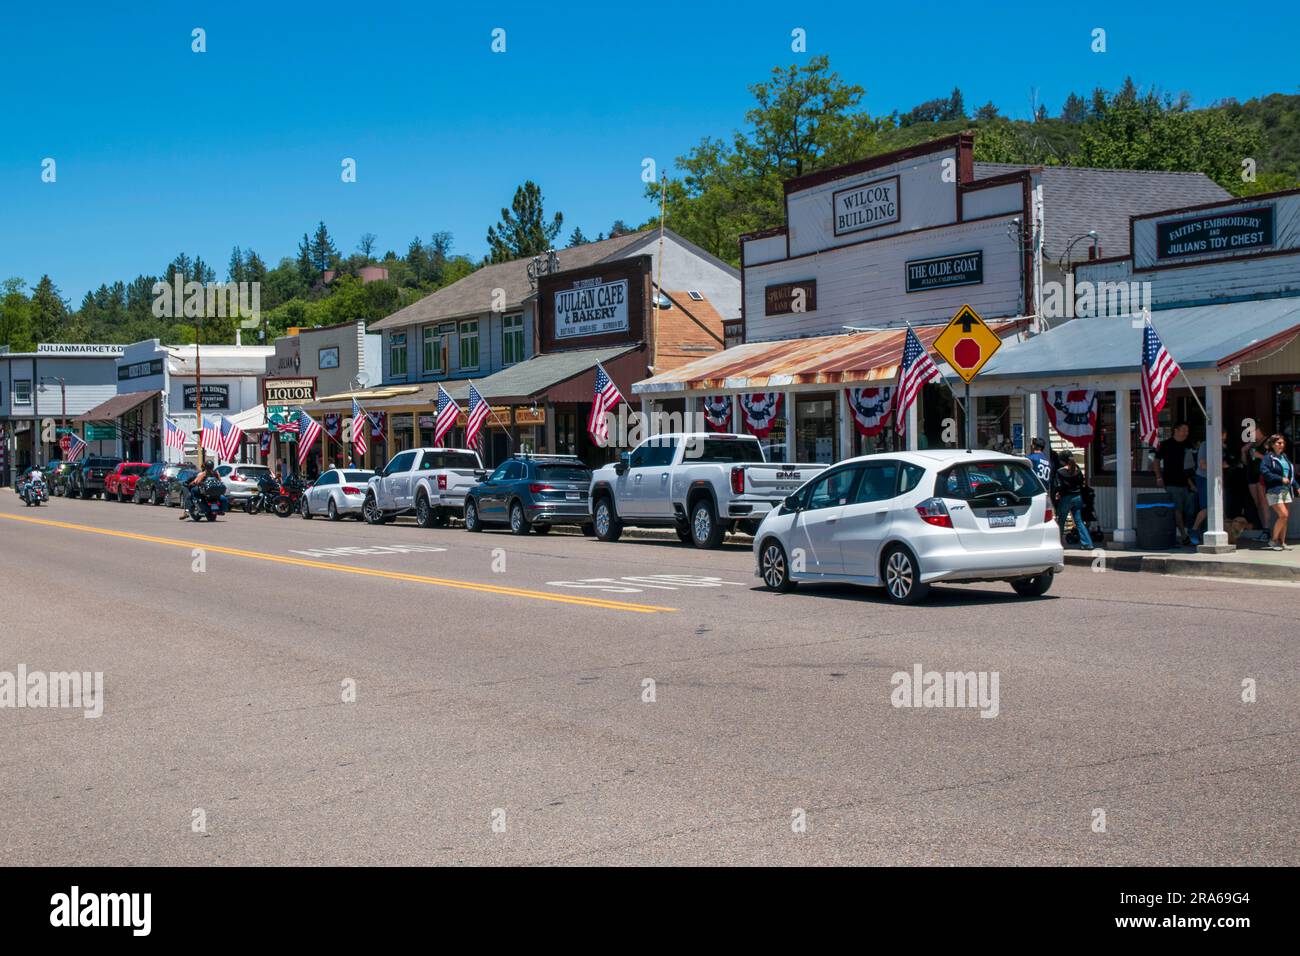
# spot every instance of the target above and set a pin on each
(913, 439)
(690, 408)
(1124, 533)
(551, 446)
(844, 417)
(1032, 418)
(737, 426)
(1216, 538)
(791, 447)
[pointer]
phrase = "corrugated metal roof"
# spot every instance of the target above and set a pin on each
(1200, 337)
(849, 359)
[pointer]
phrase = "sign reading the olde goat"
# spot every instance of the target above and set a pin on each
(1218, 232)
(591, 307)
(943, 272)
(787, 297)
(866, 206)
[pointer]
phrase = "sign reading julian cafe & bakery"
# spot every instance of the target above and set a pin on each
(595, 305)
(214, 396)
(288, 391)
(788, 297)
(591, 307)
(942, 272)
(1217, 232)
(866, 206)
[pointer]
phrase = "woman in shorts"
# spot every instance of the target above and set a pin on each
(1278, 475)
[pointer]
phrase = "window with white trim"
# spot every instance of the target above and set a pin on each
(512, 339)
(397, 353)
(432, 350)
(469, 344)
(22, 391)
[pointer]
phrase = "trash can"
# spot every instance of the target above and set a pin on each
(1154, 525)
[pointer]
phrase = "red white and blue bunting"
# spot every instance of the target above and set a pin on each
(760, 411)
(717, 412)
(334, 426)
(1073, 413)
(870, 408)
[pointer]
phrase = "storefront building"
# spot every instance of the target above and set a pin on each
(1221, 284)
(901, 239)
(42, 392)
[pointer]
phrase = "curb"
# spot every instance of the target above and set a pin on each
(1172, 564)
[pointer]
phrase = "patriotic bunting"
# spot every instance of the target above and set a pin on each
(870, 408)
(717, 412)
(1073, 413)
(760, 411)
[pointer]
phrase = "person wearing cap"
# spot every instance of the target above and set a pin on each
(1041, 463)
(1069, 485)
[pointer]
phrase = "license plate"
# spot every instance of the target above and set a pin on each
(571, 495)
(1002, 519)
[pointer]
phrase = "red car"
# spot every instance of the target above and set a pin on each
(120, 482)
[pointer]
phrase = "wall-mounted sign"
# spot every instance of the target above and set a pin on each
(865, 207)
(288, 391)
(497, 414)
(100, 432)
(527, 415)
(788, 297)
(942, 272)
(139, 370)
(592, 307)
(329, 357)
(1217, 232)
(60, 348)
(214, 396)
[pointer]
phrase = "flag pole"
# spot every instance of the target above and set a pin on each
(1146, 314)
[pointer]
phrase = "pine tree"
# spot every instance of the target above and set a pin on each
(1075, 109)
(323, 252)
(956, 106)
(366, 246)
(523, 230)
(235, 269)
(304, 260)
(576, 238)
(987, 112)
(49, 312)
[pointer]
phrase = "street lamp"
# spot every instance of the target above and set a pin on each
(63, 397)
(1069, 246)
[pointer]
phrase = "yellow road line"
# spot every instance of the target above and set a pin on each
(368, 572)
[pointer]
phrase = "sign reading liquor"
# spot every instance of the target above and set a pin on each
(943, 272)
(592, 307)
(788, 297)
(1218, 232)
(865, 207)
(288, 391)
(214, 396)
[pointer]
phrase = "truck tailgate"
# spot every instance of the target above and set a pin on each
(775, 481)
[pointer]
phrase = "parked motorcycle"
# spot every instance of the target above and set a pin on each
(35, 492)
(208, 500)
(268, 489)
(287, 501)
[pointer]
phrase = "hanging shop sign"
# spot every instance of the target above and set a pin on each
(289, 391)
(786, 298)
(139, 370)
(214, 396)
(944, 272)
(760, 411)
(591, 307)
(870, 408)
(868, 206)
(527, 415)
(967, 343)
(717, 412)
(283, 420)
(1220, 232)
(601, 305)
(1073, 413)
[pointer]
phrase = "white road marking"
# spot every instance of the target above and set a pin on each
(635, 583)
(355, 551)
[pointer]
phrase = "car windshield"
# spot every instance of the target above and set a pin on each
(356, 475)
(723, 450)
(562, 472)
(980, 478)
(450, 459)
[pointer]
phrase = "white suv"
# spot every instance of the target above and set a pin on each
(906, 520)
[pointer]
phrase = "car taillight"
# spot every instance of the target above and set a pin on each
(934, 511)
(1048, 515)
(536, 488)
(349, 490)
(237, 477)
(442, 482)
(738, 480)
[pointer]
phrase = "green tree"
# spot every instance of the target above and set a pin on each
(15, 316)
(49, 312)
(523, 230)
(986, 113)
(324, 254)
(576, 238)
(1075, 110)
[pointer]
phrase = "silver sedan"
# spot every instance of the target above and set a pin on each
(337, 492)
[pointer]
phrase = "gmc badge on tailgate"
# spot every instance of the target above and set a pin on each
(794, 475)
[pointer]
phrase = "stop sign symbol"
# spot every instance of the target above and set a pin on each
(967, 353)
(65, 443)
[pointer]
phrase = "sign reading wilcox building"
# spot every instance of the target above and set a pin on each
(289, 391)
(594, 306)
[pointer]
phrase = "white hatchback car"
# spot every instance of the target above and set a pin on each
(337, 492)
(241, 480)
(905, 520)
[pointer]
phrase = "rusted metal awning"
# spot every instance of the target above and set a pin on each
(854, 358)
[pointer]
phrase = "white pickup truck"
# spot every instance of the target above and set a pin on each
(701, 484)
(431, 483)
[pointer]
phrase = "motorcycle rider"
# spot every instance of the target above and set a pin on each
(33, 476)
(206, 471)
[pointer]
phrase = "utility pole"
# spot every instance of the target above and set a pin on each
(198, 381)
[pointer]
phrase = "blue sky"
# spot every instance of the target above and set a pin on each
(160, 149)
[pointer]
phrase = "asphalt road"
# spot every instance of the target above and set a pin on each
(501, 711)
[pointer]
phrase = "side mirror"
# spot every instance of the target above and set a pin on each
(624, 459)
(480, 474)
(791, 503)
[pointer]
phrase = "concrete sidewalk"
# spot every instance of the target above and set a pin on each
(1252, 560)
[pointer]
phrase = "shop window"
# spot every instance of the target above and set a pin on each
(397, 354)
(1104, 451)
(512, 339)
(22, 391)
(432, 346)
(815, 430)
(469, 345)
(993, 423)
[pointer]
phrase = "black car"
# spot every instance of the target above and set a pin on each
(153, 483)
(57, 476)
(532, 493)
(173, 494)
(87, 480)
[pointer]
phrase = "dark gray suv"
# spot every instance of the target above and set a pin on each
(531, 493)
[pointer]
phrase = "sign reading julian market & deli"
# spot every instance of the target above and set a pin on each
(865, 207)
(944, 272)
(967, 343)
(214, 396)
(1218, 232)
(288, 391)
(788, 297)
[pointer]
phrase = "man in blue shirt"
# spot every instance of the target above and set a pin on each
(1042, 464)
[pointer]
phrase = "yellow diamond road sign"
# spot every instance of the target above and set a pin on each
(967, 343)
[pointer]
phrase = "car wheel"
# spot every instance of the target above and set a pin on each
(518, 520)
(706, 532)
(333, 511)
(774, 567)
(902, 577)
(305, 509)
(1036, 586)
(155, 500)
(371, 510)
(424, 515)
(607, 525)
(683, 533)
(472, 522)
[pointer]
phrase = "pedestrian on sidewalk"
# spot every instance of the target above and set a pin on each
(1278, 475)
(1042, 465)
(1069, 497)
(1173, 475)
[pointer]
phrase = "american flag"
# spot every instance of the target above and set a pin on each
(210, 437)
(917, 368)
(173, 435)
(76, 447)
(447, 413)
(360, 424)
(478, 413)
(287, 425)
(607, 397)
(265, 445)
(232, 436)
(1158, 369)
(308, 431)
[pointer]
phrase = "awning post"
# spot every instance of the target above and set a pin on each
(791, 446)
(1124, 533)
(1216, 538)
(844, 418)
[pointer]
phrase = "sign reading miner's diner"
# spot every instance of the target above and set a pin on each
(942, 272)
(787, 297)
(1216, 232)
(865, 207)
(288, 391)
